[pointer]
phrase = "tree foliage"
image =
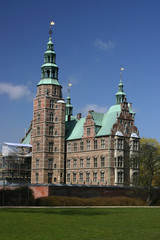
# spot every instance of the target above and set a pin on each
(149, 160)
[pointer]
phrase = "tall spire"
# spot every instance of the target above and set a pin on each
(49, 70)
(69, 107)
(120, 95)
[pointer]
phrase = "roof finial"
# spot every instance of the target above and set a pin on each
(69, 85)
(50, 28)
(121, 73)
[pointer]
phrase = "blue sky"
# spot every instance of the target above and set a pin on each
(92, 38)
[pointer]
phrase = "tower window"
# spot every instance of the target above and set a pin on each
(75, 146)
(51, 117)
(38, 117)
(55, 91)
(38, 130)
(88, 145)
(37, 163)
(37, 177)
(102, 161)
(50, 163)
(51, 103)
(88, 131)
(39, 104)
(120, 144)
(49, 177)
(95, 162)
(50, 146)
(120, 162)
(38, 146)
(102, 143)
(95, 144)
(47, 74)
(120, 177)
(50, 131)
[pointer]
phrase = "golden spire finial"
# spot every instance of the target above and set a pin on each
(50, 28)
(121, 73)
(69, 85)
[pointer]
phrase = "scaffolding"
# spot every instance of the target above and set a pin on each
(15, 162)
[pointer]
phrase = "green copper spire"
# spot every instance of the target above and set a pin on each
(69, 107)
(120, 95)
(49, 70)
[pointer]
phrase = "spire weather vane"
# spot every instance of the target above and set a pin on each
(50, 28)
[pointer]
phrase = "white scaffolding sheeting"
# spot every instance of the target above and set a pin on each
(16, 149)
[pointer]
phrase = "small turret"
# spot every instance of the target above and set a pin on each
(120, 95)
(69, 107)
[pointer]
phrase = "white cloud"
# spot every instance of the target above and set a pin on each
(104, 46)
(16, 92)
(95, 107)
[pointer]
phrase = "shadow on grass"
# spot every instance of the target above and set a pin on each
(67, 212)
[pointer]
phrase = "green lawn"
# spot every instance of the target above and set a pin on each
(79, 224)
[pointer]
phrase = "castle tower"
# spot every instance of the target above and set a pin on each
(48, 131)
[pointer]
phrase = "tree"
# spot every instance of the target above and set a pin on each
(149, 160)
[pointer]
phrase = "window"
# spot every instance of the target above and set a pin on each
(120, 144)
(49, 177)
(56, 133)
(55, 149)
(81, 177)
(38, 117)
(55, 165)
(50, 146)
(87, 177)
(81, 146)
(135, 145)
(68, 163)
(88, 145)
(95, 144)
(95, 162)
(39, 91)
(38, 130)
(37, 163)
(38, 146)
(81, 162)
(50, 163)
(75, 163)
(39, 104)
(37, 177)
(94, 177)
(120, 177)
(50, 131)
(115, 162)
(75, 146)
(51, 117)
(102, 161)
(56, 119)
(102, 143)
(51, 103)
(102, 176)
(69, 147)
(55, 91)
(68, 177)
(74, 177)
(88, 162)
(55, 179)
(88, 131)
(120, 162)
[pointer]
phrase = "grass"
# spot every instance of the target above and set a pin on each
(80, 224)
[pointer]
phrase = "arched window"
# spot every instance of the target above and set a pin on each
(38, 146)
(51, 103)
(38, 117)
(39, 104)
(37, 177)
(47, 74)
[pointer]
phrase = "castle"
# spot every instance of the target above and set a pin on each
(94, 150)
